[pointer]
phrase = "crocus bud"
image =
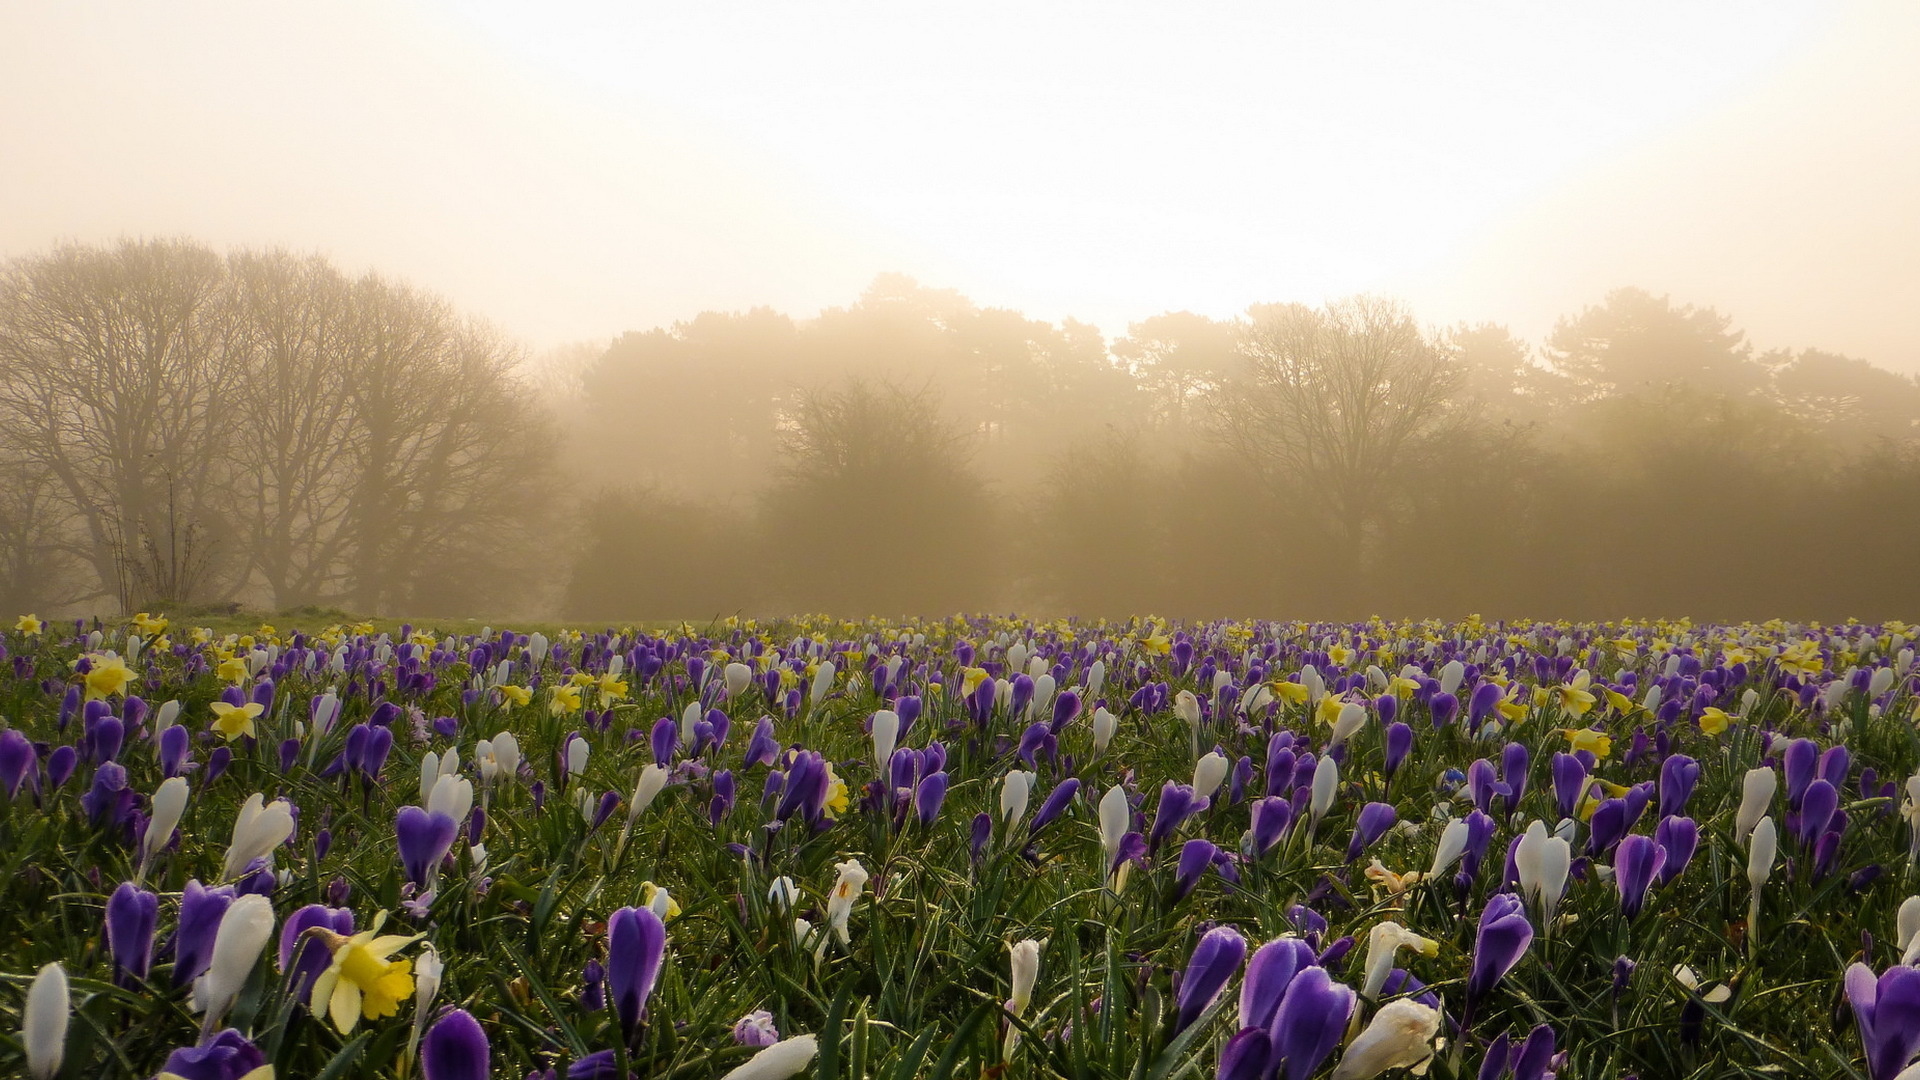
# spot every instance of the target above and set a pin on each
(1542, 862)
(1756, 795)
(1015, 790)
(786, 1058)
(257, 831)
(131, 915)
(653, 779)
(43, 1028)
(1326, 783)
(636, 946)
(1105, 724)
(456, 1049)
(1208, 773)
(886, 731)
(169, 803)
(1215, 960)
(243, 933)
(1024, 960)
(1400, 1036)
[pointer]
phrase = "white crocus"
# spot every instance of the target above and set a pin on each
(325, 712)
(1543, 860)
(1015, 790)
(1452, 673)
(427, 969)
(577, 751)
(1116, 820)
(1384, 942)
(1024, 962)
(783, 893)
(506, 751)
(1187, 708)
(1096, 678)
(1326, 784)
(1400, 1037)
(169, 803)
(1756, 795)
(1352, 717)
(1762, 846)
(822, 683)
(1453, 844)
(452, 796)
(1911, 811)
(738, 676)
(1208, 773)
(847, 887)
(43, 1027)
(1881, 682)
(786, 1058)
(429, 774)
(257, 830)
(1907, 930)
(243, 932)
(653, 780)
(166, 716)
(1105, 724)
(886, 732)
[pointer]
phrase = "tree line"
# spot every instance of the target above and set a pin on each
(180, 426)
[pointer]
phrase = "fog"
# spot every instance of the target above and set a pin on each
(606, 313)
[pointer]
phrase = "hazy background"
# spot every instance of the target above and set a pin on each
(1048, 181)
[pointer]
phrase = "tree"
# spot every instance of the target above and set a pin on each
(1178, 359)
(1332, 403)
(875, 509)
(117, 382)
(1636, 342)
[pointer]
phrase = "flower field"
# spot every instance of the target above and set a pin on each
(976, 847)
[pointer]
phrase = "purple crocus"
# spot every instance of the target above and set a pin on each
(1678, 837)
(762, 748)
(1569, 782)
(227, 1056)
(1056, 804)
(636, 946)
(1271, 817)
(1269, 974)
(201, 910)
(424, 840)
(666, 736)
(455, 1048)
(1501, 941)
(1483, 784)
(173, 751)
(929, 794)
(1374, 820)
(1177, 803)
(131, 915)
(1514, 763)
(17, 760)
(1887, 1010)
(1310, 1022)
(1678, 775)
(302, 955)
(1817, 806)
(1215, 960)
(1399, 740)
(1635, 862)
(1195, 856)
(1533, 1058)
(1798, 762)
(1247, 1056)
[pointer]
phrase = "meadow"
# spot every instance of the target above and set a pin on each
(971, 847)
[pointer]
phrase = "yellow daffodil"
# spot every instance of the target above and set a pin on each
(612, 689)
(565, 699)
(1340, 654)
(149, 625)
(1156, 644)
(1510, 709)
(1597, 743)
(1574, 697)
(837, 801)
(971, 679)
(27, 624)
(1401, 687)
(1328, 710)
(1618, 702)
(234, 670)
(1292, 693)
(107, 676)
(364, 979)
(515, 696)
(235, 721)
(200, 635)
(1714, 721)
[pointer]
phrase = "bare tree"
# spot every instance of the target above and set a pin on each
(1331, 403)
(115, 381)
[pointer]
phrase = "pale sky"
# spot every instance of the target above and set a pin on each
(572, 170)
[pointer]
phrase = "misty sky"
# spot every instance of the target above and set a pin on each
(575, 170)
